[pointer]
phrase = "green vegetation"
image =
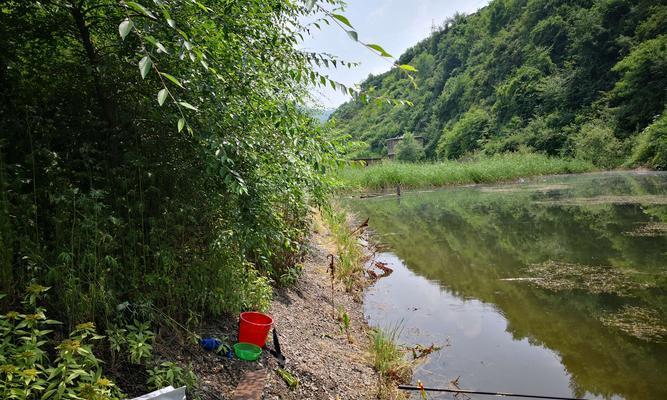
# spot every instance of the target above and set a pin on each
(27, 371)
(389, 361)
(157, 166)
(409, 150)
(500, 167)
(349, 267)
(581, 78)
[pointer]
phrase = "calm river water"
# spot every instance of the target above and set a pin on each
(553, 286)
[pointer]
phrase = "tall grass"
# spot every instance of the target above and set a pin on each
(497, 168)
(389, 361)
(351, 257)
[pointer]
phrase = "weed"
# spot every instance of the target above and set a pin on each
(140, 342)
(27, 373)
(169, 373)
(497, 168)
(389, 361)
(344, 319)
(351, 256)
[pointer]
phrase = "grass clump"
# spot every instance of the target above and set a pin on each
(498, 168)
(349, 268)
(389, 361)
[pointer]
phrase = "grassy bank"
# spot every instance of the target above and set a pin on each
(484, 170)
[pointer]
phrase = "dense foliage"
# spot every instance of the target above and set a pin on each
(156, 152)
(583, 78)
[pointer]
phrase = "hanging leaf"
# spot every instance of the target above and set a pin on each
(125, 28)
(379, 49)
(139, 8)
(172, 79)
(181, 124)
(353, 35)
(342, 19)
(187, 105)
(162, 96)
(161, 48)
(145, 65)
(406, 67)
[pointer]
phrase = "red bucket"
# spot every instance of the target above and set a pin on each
(254, 328)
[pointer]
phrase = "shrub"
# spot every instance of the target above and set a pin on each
(465, 135)
(409, 149)
(26, 372)
(595, 142)
(651, 145)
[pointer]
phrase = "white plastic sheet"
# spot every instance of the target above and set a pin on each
(167, 393)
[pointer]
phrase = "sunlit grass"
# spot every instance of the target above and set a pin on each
(389, 361)
(498, 168)
(349, 266)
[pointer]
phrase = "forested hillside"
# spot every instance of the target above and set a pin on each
(582, 78)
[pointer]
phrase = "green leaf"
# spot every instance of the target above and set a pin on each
(342, 19)
(172, 79)
(125, 28)
(406, 67)
(161, 48)
(162, 96)
(171, 23)
(139, 8)
(181, 124)
(379, 49)
(187, 105)
(145, 65)
(353, 35)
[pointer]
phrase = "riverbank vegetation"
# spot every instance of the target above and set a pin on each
(582, 79)
(390, 362)
(497, 168)
(157, 167)
(351, 257)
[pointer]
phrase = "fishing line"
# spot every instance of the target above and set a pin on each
(502, 394)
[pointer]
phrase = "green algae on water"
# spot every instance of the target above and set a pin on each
(642, 323)
(559, 276)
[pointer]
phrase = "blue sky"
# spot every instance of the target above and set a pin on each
(396, 25)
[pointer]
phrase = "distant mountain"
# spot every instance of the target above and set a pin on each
(586, 78)
(321, 114)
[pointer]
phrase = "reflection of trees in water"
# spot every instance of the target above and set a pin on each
(468, 239)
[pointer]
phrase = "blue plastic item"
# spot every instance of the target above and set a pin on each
(210, 344)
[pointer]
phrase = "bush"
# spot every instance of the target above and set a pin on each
(26, 372)
(465, 135)
(651, 145)
(409, 149)
(595, 142)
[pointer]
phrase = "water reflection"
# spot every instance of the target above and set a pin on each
(509, 335)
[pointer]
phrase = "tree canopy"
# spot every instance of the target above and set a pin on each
(534, 74)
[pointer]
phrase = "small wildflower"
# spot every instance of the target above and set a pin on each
(69, 345)
(7, 369)
(86, 326)
(36, 289)
(12, 315)
(35, 317)
(30, 373)
(104, 382)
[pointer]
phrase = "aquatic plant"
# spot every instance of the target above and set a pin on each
(559, 276)
(640, 322)
(498, 168)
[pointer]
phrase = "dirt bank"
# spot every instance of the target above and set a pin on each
(318, 352)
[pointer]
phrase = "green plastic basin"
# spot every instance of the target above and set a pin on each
(247, 351)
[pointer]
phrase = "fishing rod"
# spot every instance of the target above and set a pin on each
(464, 391)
